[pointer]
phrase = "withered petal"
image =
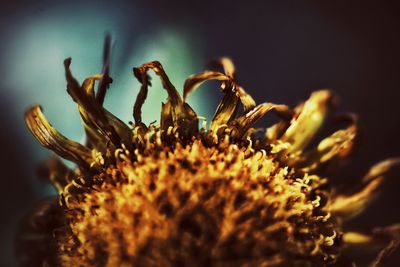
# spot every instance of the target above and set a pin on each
(349, 206)
(194, 81)
(337, 146)
(143, 78)
(244, 122)
(88, 84)
(227, 65)
(229, 69)
(50, 138)
(246, 99)
(94, 115)
(106, 79)
(182, 115)
(310, 119)
(93, 137)
(225, 111)
(166, 116)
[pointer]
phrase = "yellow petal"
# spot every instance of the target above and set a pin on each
(330, 150)
(246, 99)
(356, 238)
(229, 69)
(310, 119)
(349, 206)
(243, 123)
(225, 110)
(227, 64)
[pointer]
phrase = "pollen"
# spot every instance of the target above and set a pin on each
(176, 194)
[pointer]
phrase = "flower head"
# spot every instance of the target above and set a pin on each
(176, 194)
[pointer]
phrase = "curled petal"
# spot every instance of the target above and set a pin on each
(381, 168)
(142, 95)
(168, 86)
(227, 65)
(50, 138)
(310, 119)
(225, 110)
(182, 115)
(229, 69)
(348, 206)
(93, 114)
(335, 147)
(243, 123)
(246, 99)
(338, 144)
(88, 84)
(94, 137)
(194, 81)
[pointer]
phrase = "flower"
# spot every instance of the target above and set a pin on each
(177, 194)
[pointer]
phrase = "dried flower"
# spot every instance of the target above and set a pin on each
(177, 194)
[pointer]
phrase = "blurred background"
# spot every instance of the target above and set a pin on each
(283, 51)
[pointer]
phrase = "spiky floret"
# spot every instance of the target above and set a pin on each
(176, 195)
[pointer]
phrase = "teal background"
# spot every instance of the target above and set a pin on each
(283, 51)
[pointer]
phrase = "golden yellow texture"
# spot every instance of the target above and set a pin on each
(176, 194)
(223, 206)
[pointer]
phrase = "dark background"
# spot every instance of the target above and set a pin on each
(283, 51)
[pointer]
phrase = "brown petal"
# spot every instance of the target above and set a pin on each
(88, 84)
(246, 99)
(331, 149)
(166, 116)
(227, 65)
(229, 69)
(50, 138)
(143, 78)
(349, 206)
(94, 139)
(311, 117)
(225, 110)
(194, 81)
(106, 79)
(93, 114)
(182, 115)
(243, 123)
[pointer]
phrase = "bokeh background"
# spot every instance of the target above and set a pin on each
(283, 51)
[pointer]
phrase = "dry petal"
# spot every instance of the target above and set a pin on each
(50, 138)
(349, 206)
(310, 119)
